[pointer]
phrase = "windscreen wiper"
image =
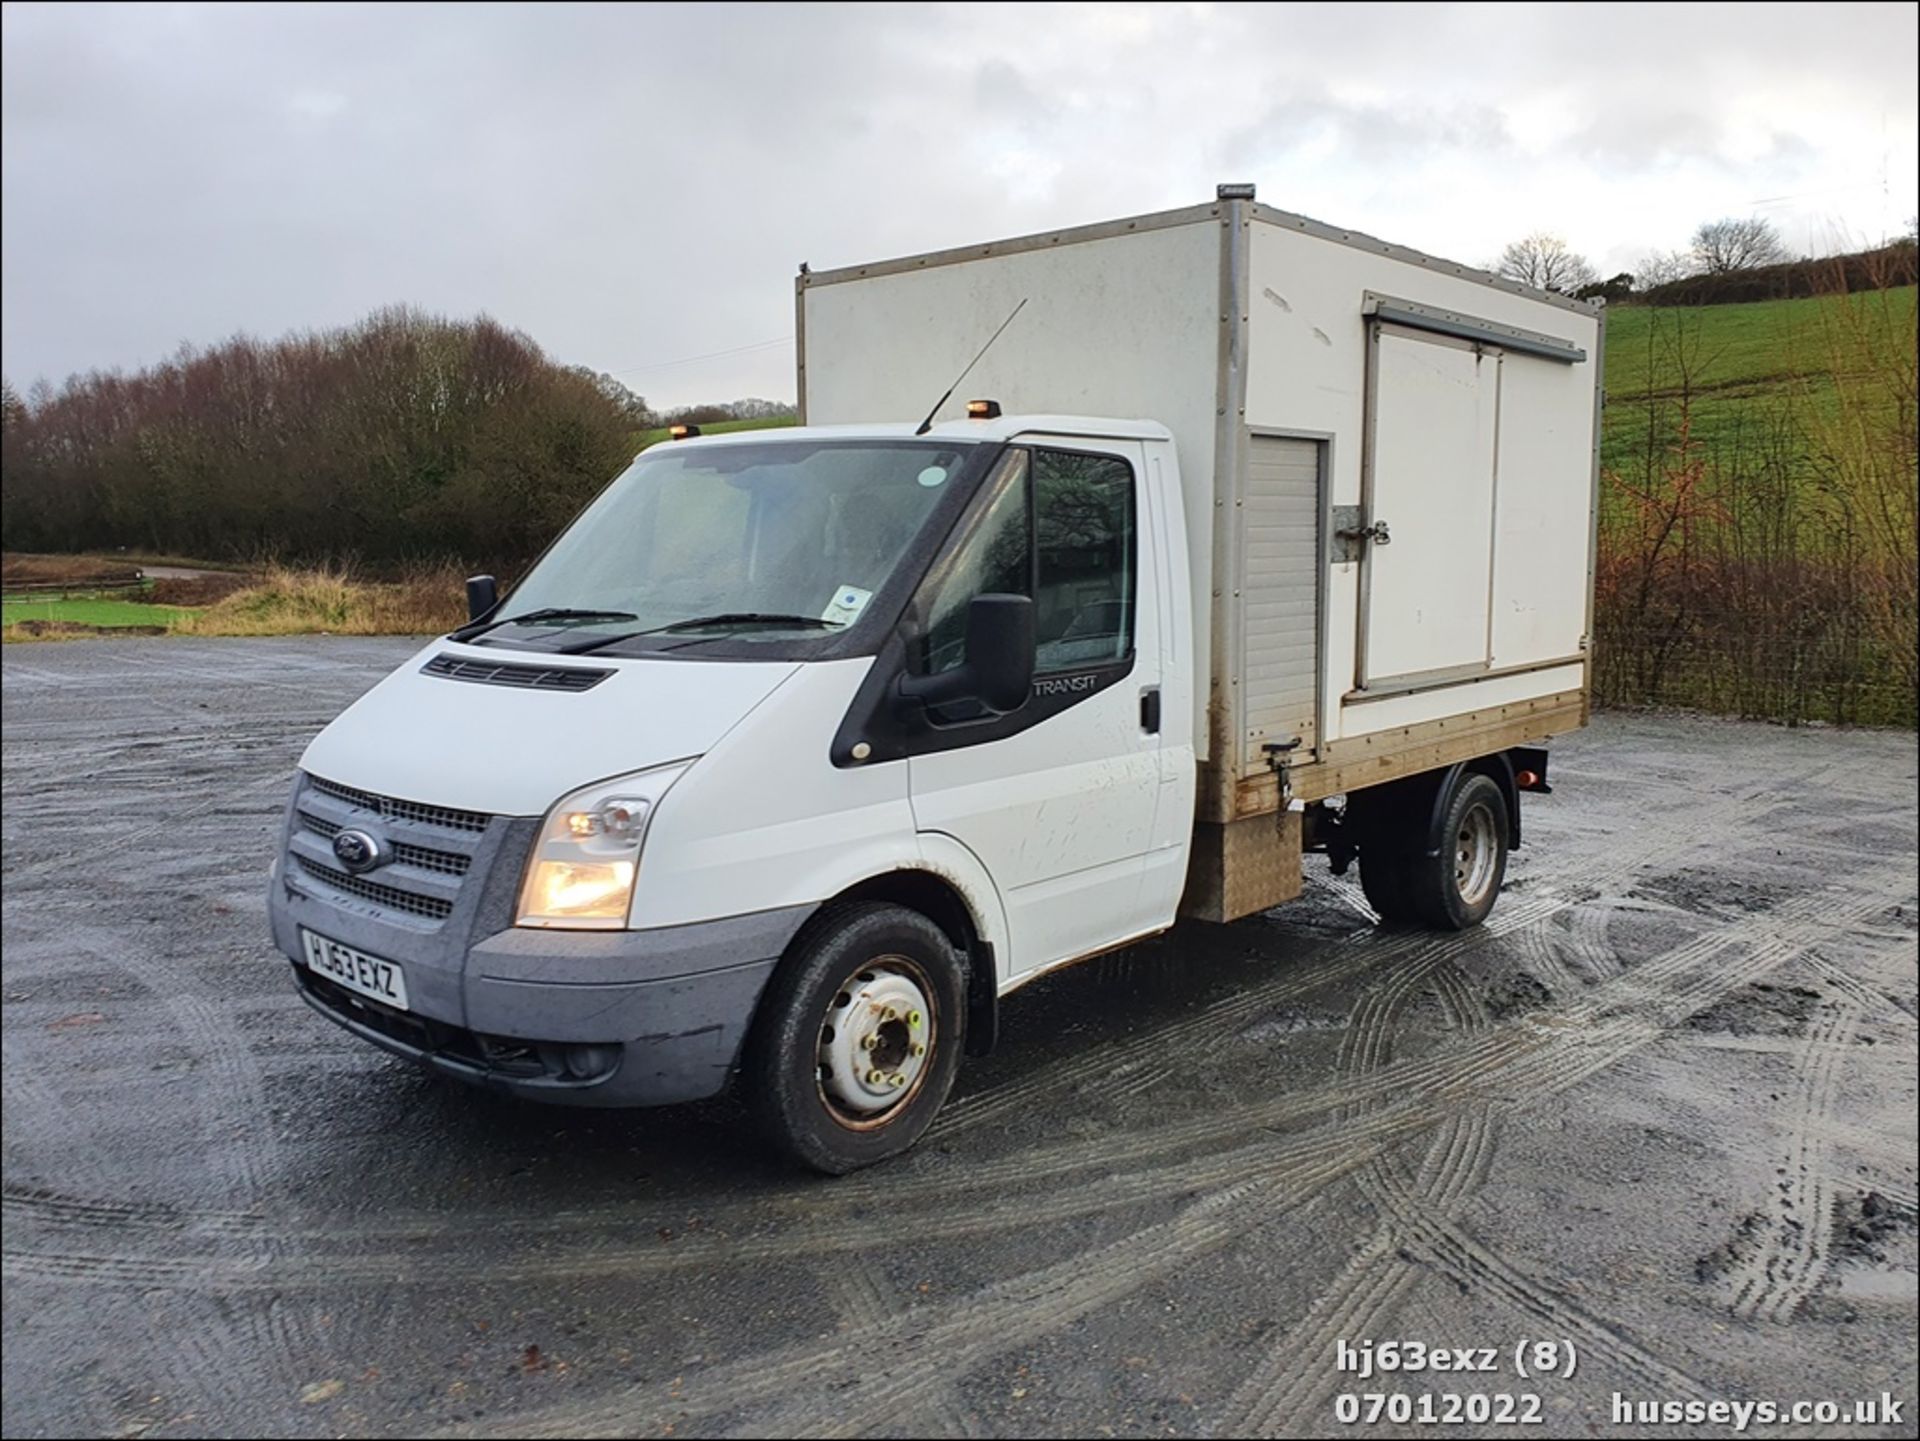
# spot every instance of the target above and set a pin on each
(701, 622)
(537, 617)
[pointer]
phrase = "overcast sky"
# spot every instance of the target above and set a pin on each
(634, 186)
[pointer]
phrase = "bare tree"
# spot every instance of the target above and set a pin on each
(1545, 262)
(1659, 267)
(1737, 244)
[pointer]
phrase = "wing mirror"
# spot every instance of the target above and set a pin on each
(998, 670)
(482, 595)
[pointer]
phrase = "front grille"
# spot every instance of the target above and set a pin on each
(447, 863)
(522, 677)
(396, 810)
(393, 898)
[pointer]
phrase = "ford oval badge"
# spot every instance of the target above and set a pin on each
(358, 851)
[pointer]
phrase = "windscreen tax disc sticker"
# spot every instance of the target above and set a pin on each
(847, 603)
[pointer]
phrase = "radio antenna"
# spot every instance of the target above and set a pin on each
(927, 424)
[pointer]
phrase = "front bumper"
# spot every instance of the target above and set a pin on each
(585, 1018)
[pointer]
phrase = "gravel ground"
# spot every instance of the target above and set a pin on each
(1660, 1108)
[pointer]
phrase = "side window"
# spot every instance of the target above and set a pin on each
(996, 557)
(1085, 559)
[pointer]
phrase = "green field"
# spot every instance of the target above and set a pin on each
(88, 610)
(1740, 366)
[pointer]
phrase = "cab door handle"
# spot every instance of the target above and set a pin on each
(1150, 709)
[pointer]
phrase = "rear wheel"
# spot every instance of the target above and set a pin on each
(858, 1037)
(1456, 887)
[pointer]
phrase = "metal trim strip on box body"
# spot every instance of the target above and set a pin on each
(1042, 240)
(1369, 443)
(800, 344)
(1357, 240)
(1224, 623)
(1417, 681)
(1493, 502)
(1416, 316)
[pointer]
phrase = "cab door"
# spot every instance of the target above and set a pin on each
(1058, 798)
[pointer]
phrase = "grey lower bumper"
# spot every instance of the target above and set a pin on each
(587, 1018)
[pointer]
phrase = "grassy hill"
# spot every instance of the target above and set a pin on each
(1744, 365)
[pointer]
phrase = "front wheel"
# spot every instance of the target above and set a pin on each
(858, 1038)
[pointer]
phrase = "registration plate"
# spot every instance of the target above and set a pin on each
(359, 972)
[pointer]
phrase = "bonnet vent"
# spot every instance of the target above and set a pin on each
(520, 677)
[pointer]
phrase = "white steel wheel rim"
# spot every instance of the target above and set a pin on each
(1476, 852)
(877, 1042)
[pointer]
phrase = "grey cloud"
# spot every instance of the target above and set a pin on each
(1366, 135)
(634, 185)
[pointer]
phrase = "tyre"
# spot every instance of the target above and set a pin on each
(858, 1038)
(1456, 887)
(1383, 876)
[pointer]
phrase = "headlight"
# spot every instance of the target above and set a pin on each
(580, 876)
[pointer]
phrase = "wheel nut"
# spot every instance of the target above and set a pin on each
(897, 1079)
(876, 1077)
(867, 1043)
(918, 1049)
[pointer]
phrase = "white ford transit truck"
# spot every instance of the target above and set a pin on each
(800, 751)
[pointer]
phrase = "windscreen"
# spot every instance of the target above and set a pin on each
(775, 540)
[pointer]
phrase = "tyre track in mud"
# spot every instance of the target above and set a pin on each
(1293, 1382)
(1290, 1389)
(876, 1373)
(28, 1089)
(231, 1345)
(862, 1295)
(1857, 992)
(1794, 1255)
(1542, 1053)
(886, 1373)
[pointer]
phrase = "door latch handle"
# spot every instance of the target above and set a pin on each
(1377, 533)
(1150, 709)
